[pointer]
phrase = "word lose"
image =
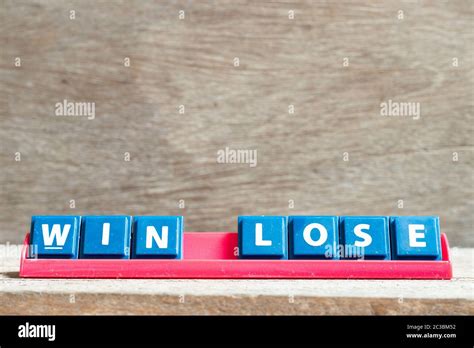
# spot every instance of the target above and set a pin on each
(345, 237)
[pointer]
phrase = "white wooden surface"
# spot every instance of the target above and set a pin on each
(149, 296)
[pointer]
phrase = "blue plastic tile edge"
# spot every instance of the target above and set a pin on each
(30, 252)
(129, 220)
(413, 257)
(285, 237)
(180, 236)
(336, 245)
(343, 242)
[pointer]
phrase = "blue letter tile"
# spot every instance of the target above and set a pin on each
(54, 237)
(105, 237)
(365, 237)
(313, 237)
(263, 237)
(415, 237)
(159, 237)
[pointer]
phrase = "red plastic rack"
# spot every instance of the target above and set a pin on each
(210, 255)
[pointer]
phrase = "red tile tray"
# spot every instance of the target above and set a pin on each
(210, 255)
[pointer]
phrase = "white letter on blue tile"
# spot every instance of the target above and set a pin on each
(323, 234)
(259, 236)
(48, 238)
(105, 233)
(413, 235)
(152, 233)
(367, 239)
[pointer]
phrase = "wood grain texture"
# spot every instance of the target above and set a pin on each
(236, 297)
(190, 62)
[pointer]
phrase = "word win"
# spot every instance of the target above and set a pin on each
(106, 237)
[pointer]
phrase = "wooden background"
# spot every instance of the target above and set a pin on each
(190, 62)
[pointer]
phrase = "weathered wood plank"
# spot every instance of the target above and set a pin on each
(152, 296)
(190, 62)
